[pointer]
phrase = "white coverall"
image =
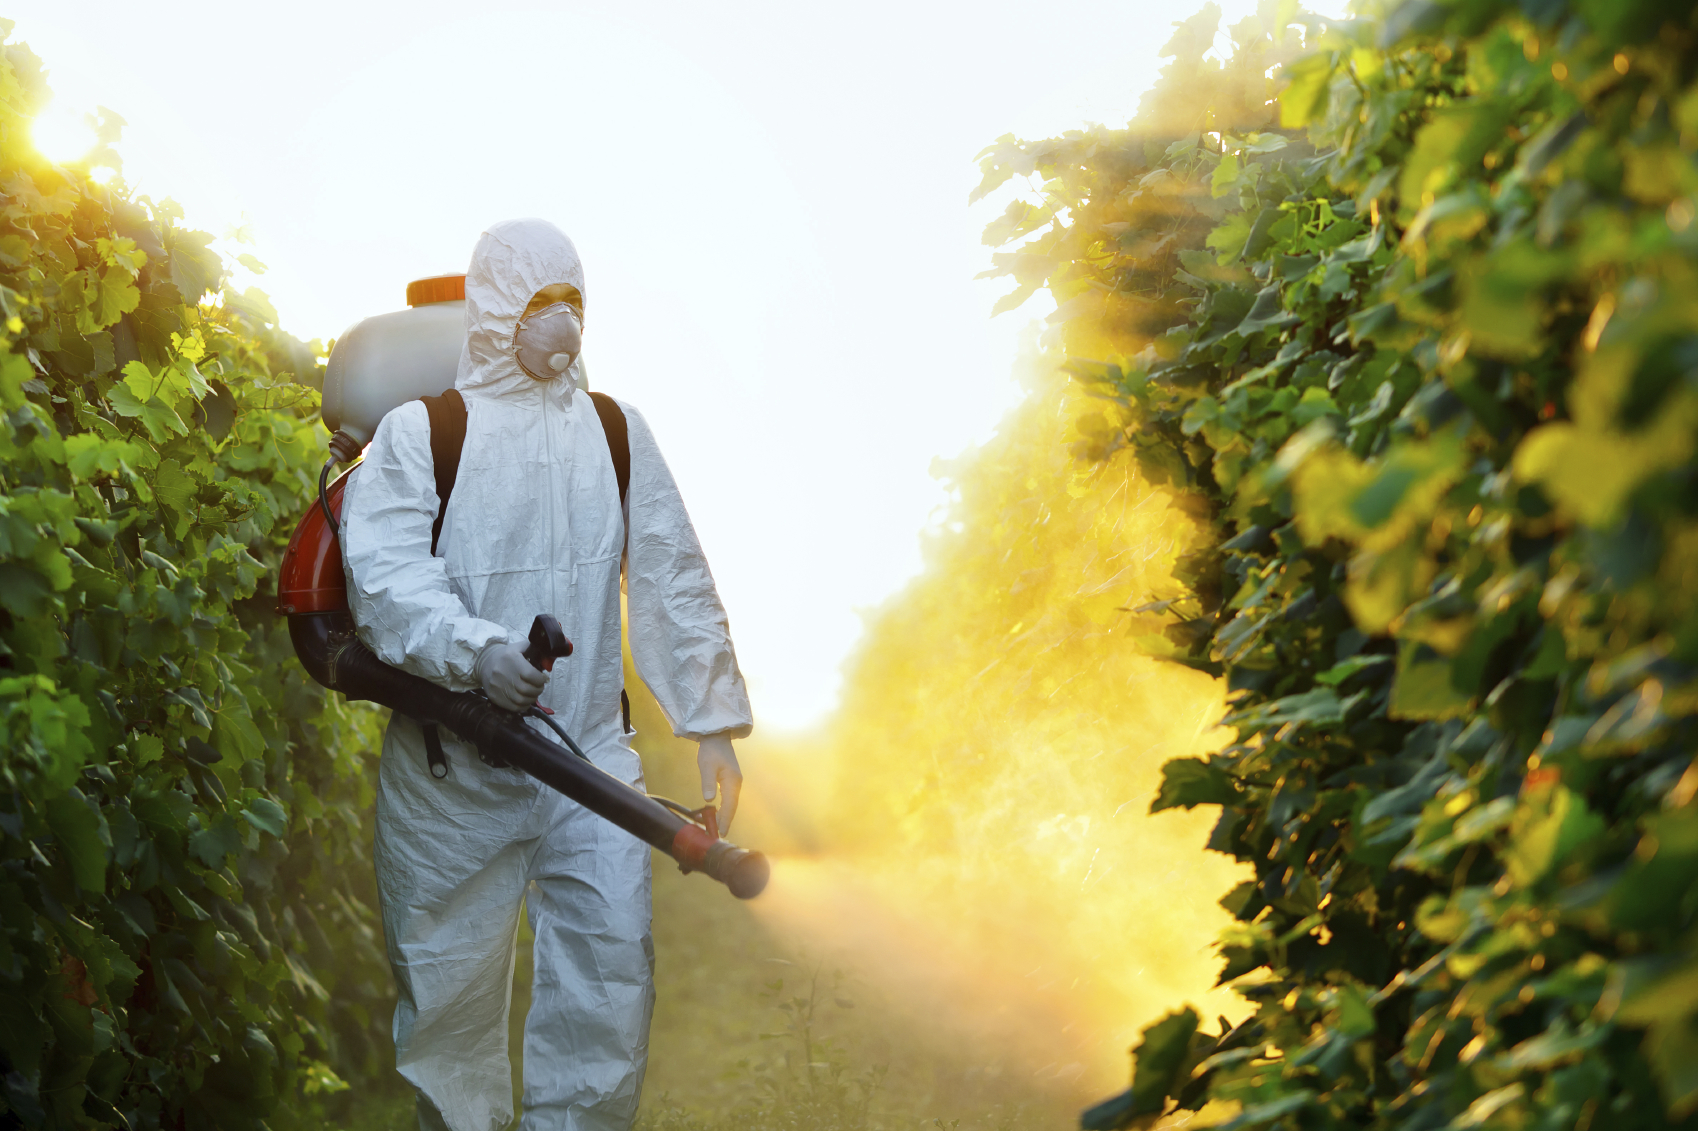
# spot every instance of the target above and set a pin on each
(533, 525)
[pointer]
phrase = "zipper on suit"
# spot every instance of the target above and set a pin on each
(548, 474)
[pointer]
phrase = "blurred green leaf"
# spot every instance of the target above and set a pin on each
(81, 833)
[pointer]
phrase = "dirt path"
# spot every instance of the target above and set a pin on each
(884, 997)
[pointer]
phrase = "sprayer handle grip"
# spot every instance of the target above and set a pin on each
(548, 643)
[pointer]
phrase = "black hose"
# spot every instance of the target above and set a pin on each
(324, 500)
(693, 814)
(539, 713)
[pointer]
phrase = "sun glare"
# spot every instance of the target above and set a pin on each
(62, 135)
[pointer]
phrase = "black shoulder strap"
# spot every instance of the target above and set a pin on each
(448, 435)
(618, 439)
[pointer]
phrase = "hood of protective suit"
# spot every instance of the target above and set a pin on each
(513, 260)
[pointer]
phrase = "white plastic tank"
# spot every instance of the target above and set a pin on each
(389, 359)
(384, 361)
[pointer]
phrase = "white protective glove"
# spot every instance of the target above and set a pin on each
(508, 678)
(720, 775)
(549, 341)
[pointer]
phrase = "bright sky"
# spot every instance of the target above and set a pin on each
(769, 197)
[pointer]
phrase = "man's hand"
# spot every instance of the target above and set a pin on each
(721, 776)
(508, 678)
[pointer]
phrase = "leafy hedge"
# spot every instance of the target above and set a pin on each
(186, 934)
(1422, 334)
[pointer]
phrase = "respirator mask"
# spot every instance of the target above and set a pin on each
(549, 337)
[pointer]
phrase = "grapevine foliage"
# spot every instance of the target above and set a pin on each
(185, 935)
(1415, 321)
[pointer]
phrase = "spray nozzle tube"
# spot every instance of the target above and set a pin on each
(333, 656)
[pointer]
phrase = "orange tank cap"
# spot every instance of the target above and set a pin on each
(437, 288)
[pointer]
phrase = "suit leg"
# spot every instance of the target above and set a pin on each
(451, 868)
(586, 1039)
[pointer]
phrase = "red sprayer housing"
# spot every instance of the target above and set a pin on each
(311, 580)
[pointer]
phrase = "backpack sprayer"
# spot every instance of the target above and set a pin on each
(377, 365)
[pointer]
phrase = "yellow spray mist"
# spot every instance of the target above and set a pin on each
(978, 816)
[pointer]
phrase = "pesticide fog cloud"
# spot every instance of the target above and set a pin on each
(974, 837)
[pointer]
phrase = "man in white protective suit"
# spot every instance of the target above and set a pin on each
(534, 524)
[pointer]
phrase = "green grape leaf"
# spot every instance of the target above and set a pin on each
(267, 816)
(81, 832)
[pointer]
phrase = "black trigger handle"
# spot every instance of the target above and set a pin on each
(547, 643)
